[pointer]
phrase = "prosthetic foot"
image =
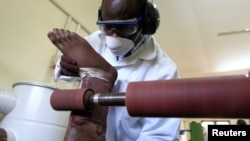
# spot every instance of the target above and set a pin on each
(97, 74)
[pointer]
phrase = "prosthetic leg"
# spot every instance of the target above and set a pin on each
(89, 125)
(97, 74)
(86, 125)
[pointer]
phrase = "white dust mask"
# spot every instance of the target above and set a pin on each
(119, 46)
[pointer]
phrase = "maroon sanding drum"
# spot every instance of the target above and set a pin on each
(71, 99)
(223, 96)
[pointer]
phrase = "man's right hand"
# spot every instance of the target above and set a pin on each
(69, 67)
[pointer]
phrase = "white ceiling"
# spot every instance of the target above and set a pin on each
(189, 30)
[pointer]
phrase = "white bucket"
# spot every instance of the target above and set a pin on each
(33, 118)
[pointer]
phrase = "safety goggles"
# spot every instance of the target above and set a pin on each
(123, 27)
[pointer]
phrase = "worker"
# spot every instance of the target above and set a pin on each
(125, 40)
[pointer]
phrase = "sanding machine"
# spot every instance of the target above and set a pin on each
(204, 97)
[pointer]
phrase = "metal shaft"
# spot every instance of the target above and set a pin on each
(109, 99)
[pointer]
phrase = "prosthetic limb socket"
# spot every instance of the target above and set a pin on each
(205, 97)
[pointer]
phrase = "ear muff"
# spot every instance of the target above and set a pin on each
(99, 13)
(151, 19)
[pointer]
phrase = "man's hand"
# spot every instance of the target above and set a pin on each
(69, 67)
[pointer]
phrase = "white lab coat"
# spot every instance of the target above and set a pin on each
(149, 62)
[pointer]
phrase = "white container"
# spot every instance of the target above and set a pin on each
(33, 118)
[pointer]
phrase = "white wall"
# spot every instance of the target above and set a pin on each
(26, 52)
(189, 33)
(25, 49)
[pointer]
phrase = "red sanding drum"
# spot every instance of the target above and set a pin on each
(215, 97)
(70, 99)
